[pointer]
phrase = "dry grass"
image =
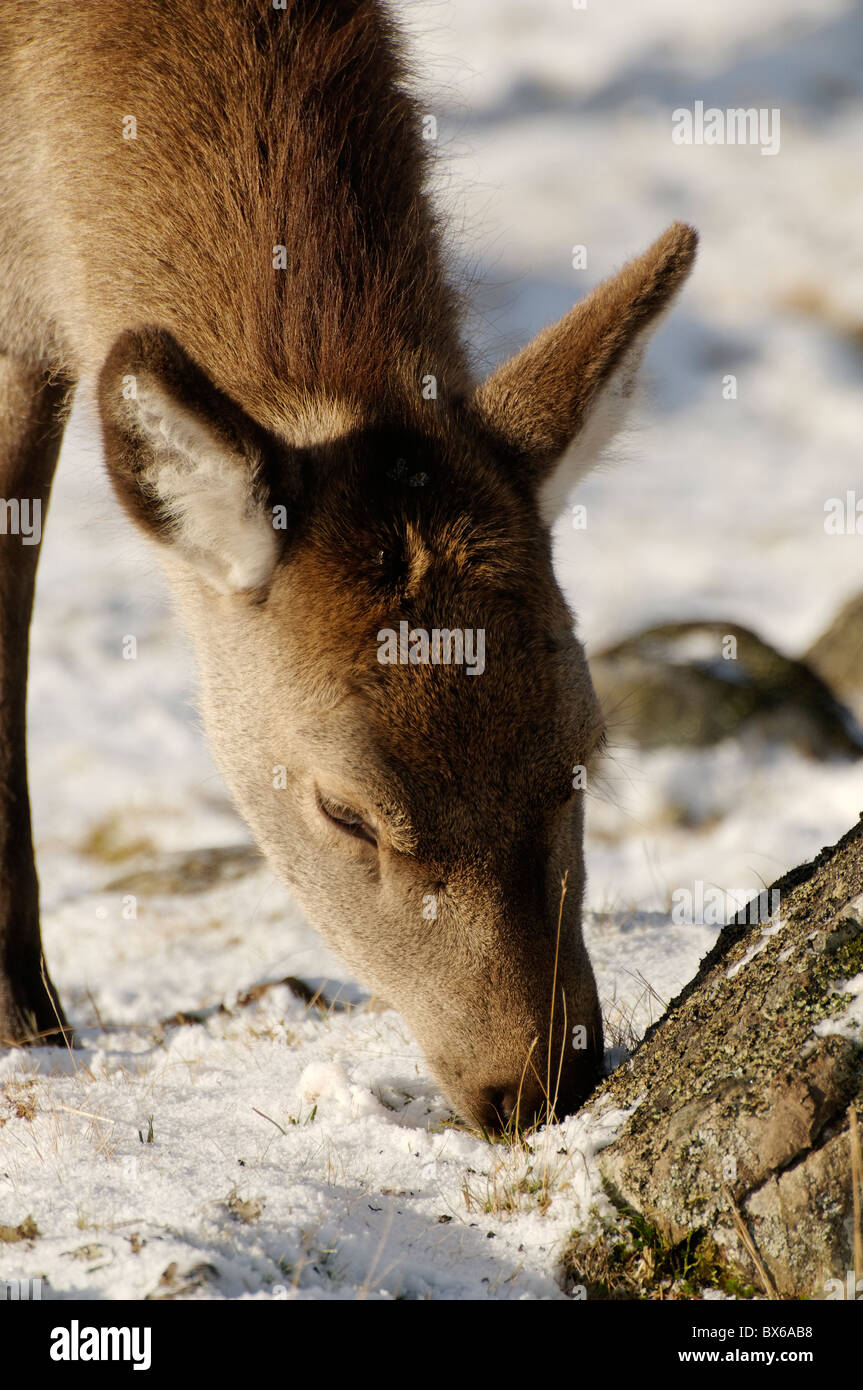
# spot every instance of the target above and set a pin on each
(751, 1248)
(110, 842)
(856, 1190)
(514, 1185)
(513, 1132)
(18, 1099)
(525, 1177)
(630, 1260)
(626, 1022)
(243, 1209)
(12, 1235)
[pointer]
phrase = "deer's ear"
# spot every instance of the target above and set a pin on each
(556, 404)
(186, 462)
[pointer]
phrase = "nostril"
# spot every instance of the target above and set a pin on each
(506, 1102)
(501, 1103)
(487, 1108)
(495, 1106)
(523, 1103)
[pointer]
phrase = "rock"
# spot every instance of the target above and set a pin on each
(698, 683)
(799, 1227)
(837, 656)
(742, 1089)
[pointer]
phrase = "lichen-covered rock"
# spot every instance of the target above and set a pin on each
(800, 1218)
(697, 683)
(742, 1089)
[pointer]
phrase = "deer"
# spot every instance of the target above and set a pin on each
(217, 226)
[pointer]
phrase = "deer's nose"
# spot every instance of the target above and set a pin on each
(495, 1107)
(523, 1103)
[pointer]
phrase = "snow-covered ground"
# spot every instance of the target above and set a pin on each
(309, 1154)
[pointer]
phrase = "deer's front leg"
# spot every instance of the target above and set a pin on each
(33, 408)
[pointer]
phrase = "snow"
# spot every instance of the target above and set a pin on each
(768, 930)
(324, 1127)
(849, 1022)
(300, 1152)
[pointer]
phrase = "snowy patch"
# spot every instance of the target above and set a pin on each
(768, 930)
(848, 1024)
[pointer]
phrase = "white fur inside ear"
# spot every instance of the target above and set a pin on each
(605, 421)
(208, 490)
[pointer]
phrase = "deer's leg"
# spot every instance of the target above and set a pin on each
(33, 408)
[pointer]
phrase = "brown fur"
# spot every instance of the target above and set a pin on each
(572, 360)
(228, 389)
(255, 127)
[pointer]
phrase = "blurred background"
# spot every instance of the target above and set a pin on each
(554, 131)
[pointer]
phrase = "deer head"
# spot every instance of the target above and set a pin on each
(422, 810)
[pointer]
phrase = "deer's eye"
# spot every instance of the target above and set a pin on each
(347, 820)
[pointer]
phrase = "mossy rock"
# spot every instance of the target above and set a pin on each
(741, 1092)
(694, 684)
(837, 656)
